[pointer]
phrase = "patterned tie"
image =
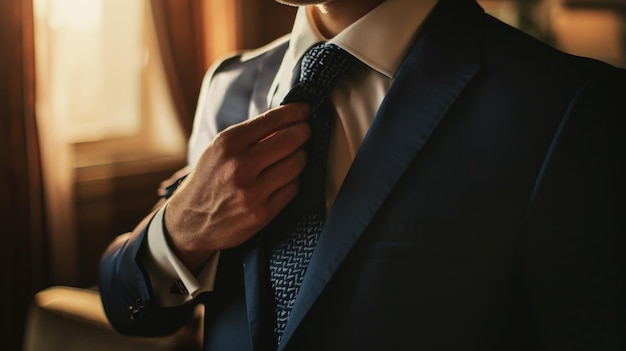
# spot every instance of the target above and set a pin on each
(320, 69)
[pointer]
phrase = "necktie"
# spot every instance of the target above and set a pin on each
(321, 68)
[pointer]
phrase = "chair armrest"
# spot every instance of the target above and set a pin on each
(67, 318)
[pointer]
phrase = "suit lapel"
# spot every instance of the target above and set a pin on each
(439, 66)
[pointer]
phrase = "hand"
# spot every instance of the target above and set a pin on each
(243, 179)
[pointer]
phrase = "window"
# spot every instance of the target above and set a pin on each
(101, 85)
(108, 129)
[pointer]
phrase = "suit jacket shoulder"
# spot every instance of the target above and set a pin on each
(524, 55)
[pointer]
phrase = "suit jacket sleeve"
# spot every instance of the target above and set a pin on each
(131, 306)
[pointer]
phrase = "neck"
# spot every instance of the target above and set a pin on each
(334, 16)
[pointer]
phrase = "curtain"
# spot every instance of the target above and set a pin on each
(179, 28)
(21, 196)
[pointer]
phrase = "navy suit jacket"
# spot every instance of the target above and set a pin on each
(484, 209)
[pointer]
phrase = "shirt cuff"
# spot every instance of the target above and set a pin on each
(172, 283)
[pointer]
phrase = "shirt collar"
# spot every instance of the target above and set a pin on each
(396, 21)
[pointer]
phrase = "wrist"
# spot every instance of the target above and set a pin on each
(179, 239)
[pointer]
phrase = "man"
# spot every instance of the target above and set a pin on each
(474, 194)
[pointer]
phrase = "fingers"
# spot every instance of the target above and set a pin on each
(257, 144)
(254, 130)
(278, 146)
(282, 172)
(281, 197)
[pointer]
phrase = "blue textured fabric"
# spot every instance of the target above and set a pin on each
(321, 68)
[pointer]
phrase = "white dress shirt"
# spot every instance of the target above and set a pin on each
(380, 40)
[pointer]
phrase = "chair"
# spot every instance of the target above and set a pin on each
(72, 319)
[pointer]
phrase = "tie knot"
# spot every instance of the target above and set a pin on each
(321, 68)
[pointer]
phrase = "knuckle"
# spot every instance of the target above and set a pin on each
(257, 215)
(238, 173)
(225, 141)
(220, 141)
(260, 216)
(249, 199)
